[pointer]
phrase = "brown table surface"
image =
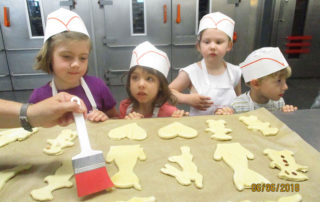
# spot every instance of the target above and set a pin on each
(217, 176)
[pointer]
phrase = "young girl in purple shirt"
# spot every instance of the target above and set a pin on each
(65, 55)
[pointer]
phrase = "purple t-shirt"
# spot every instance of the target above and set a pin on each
(99, 90)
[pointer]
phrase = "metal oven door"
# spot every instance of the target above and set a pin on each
(129, 23)
(23, 39)
(296, 31)
(5, 81)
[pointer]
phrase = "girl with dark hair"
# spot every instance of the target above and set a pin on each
(147, 86)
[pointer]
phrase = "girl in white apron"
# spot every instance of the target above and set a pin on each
(213, 83)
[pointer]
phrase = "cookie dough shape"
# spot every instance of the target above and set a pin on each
(59, 180)
(285, 161)
(64, 139)
(236, 156)
(253, 123)
(141, 199)
(12, 135)
(292, 198)
(131, 131)
(189, 169)
(177, 129)
(6, 175)
(218, 128)
(125, 158)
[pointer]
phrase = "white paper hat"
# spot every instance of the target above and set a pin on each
(262, 62)
(219, 21)
(64, 20)
(145, 54)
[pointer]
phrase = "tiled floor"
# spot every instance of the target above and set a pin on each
(301, 92)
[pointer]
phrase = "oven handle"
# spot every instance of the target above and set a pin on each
(4, 75)
(6, 16)
(28, 74)
(178, 20)
(165, 13)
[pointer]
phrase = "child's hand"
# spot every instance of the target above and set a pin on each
(179, 113)
(289, 108)
(224, 111)
(134, 115)
(200, 102)
(97, 116)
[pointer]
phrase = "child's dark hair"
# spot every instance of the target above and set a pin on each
(44, 58)
(164, 94)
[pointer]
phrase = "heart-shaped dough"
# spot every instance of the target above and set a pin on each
(177, 129)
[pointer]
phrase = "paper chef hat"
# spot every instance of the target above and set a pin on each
(219, 21)
(64, 20)
(262, 62)
(145, 54)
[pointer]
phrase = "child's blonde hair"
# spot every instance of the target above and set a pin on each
(284, 73)
(164, 94)
(44, 58)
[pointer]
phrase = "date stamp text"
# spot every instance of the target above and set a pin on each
(279, 187)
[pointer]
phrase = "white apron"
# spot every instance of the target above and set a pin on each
(85, 88)
(154, 113)
(221, 93)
